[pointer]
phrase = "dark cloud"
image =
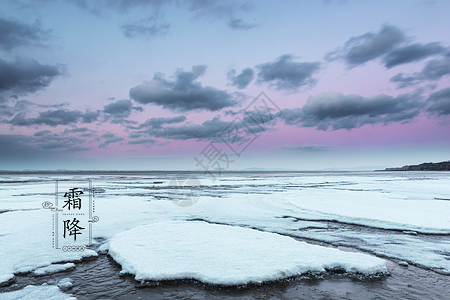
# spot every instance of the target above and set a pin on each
(120, 108)
(141, 141)
(242, 80)
(361, 49)
(412, 53)
(88, 134)
(42, 133)
(18, 147)
(50, 118)
(403, 81)
(145, 28)
(24, 76)
(158, 122)
(78, 149)
(76, 130)
(135, 135)
(340, 111)
(108, 135)
(12, 106)
(118, 111)
(239, 24)
(10, 109)
(214, 130)
(260, 117)
(292, 116)
(40, 146)
(434, 70)
(183, 94)
(109, 138)
(439, 102)
(15, 34)
(284, 73)
(59, 142)
(90, 116)
(210, 129)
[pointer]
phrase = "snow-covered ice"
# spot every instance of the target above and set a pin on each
(26, 242)
(54, 268)
(42, 292)
(295, 204)
(65, 284)
(6, 279)
(226, 255)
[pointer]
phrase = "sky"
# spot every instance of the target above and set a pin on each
(208, 85)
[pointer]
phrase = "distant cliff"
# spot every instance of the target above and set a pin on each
(440, 166)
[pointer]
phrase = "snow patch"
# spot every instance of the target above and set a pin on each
(44, 292)
(65, 284)
(227, 255)
(7, 279)
(56, 268)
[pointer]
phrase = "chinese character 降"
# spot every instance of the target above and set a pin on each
(72, 228)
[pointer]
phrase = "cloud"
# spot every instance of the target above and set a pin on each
(210, 129)
(242, 80)
(98, 7)
(158, 122)
(17, 147)
(145, 28)
(439, 102)
(284, 73)
(141, 141)
(211, 9)
(361, 49)
(108, 135)
(58, 142)
(43, 144)
(306, 148)
(6, 109)
(42, 133)
(412, 53)
(404, 81)
(15, 34)
(76, 130)
(260, 117)
(49, 117)
(239, 24)
(12, 106)
(109, 138)
(183, 94)
(24, 76)
(434, 70)
(340, 111)
(90, 116)
(227, 10)
(120, 108)
(292, 116)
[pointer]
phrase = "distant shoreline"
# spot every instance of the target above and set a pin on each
(440, 166)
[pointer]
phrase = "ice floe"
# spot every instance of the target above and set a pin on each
(227, 255)
(55, 268)
(44, 292)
